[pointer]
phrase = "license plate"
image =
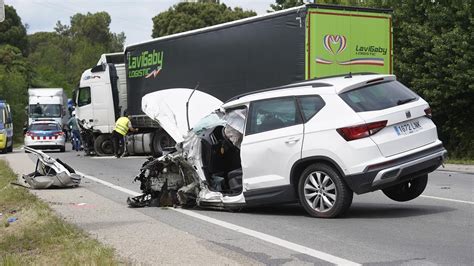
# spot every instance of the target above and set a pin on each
(408, 127)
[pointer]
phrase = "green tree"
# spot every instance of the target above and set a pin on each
(433, 55)
(60, 57)
(13, 84)
(12, 31)
(189, 16)
(14, 68)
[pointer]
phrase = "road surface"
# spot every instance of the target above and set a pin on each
(436, 228)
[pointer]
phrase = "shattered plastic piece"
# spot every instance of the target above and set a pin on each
(12, 220)
(51, 172)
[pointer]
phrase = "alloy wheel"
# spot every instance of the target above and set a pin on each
(320, 191)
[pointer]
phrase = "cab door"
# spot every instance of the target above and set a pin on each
(272, 143)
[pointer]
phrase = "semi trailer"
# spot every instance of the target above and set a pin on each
(225, 60)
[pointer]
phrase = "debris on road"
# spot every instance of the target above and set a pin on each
(51, 172)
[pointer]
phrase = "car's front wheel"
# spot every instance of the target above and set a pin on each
(322, 192)
(408, 190)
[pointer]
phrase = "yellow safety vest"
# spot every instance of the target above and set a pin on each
(121, 126)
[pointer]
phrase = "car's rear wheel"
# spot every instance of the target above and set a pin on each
(408, 190)
(322, 192)
(10, 149)
(62, 149)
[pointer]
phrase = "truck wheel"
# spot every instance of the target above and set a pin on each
(103, 145)
(322, 192)
(161, 141)
(408, 190)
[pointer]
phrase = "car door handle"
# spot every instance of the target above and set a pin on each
(292, 140)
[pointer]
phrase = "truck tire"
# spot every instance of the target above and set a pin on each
(322, 192)
(408, 190)
(103, 145)
(161, 141)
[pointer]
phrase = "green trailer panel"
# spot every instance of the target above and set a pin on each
(342, 41)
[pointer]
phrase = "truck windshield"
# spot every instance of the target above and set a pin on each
(45, 110)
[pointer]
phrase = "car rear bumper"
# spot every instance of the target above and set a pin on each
(393, 172)
(53, 144)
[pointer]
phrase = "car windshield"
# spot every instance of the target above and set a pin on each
(378, 96)
(45, 110)
(45, 127)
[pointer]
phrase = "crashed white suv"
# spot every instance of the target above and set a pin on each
(314, 143)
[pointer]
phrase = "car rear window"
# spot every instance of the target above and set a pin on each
(45, 127)
(378, 96)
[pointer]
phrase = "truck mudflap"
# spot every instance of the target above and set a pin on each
(51, 173)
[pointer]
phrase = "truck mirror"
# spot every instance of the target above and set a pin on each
(99, 68)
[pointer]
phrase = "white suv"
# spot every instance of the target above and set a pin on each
(314, 142)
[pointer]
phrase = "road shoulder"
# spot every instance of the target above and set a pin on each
(136, 237)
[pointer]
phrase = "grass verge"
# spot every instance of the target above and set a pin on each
(39, 237)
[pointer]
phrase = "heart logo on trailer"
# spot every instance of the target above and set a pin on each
(338, 41)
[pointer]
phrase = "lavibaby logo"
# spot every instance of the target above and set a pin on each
(337, 44)
(147, 64)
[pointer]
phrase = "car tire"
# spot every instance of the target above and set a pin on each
(322, 192)
(103, 145)
(62, 149)
(10, 149)
(3, 151)
(408, 190)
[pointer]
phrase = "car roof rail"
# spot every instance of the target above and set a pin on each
(303, 82)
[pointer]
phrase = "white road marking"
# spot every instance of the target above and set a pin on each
(119, 188)
(262, 236)
(271, 239)
(121, 158)
(446, 199)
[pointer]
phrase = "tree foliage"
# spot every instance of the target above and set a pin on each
(50, 59)
(12, 31)
(189, 16)
(59, 57)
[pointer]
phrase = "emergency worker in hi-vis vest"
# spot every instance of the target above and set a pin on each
(122, 126)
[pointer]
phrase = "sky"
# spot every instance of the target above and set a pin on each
(132, 17)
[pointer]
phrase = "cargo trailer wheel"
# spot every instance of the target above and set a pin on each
(103, 145)
(408, 190)
(322, 192)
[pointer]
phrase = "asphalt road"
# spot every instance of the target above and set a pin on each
(436, 228)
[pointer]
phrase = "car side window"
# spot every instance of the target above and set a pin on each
(310, 105)
(84, 97)
(266, 115)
